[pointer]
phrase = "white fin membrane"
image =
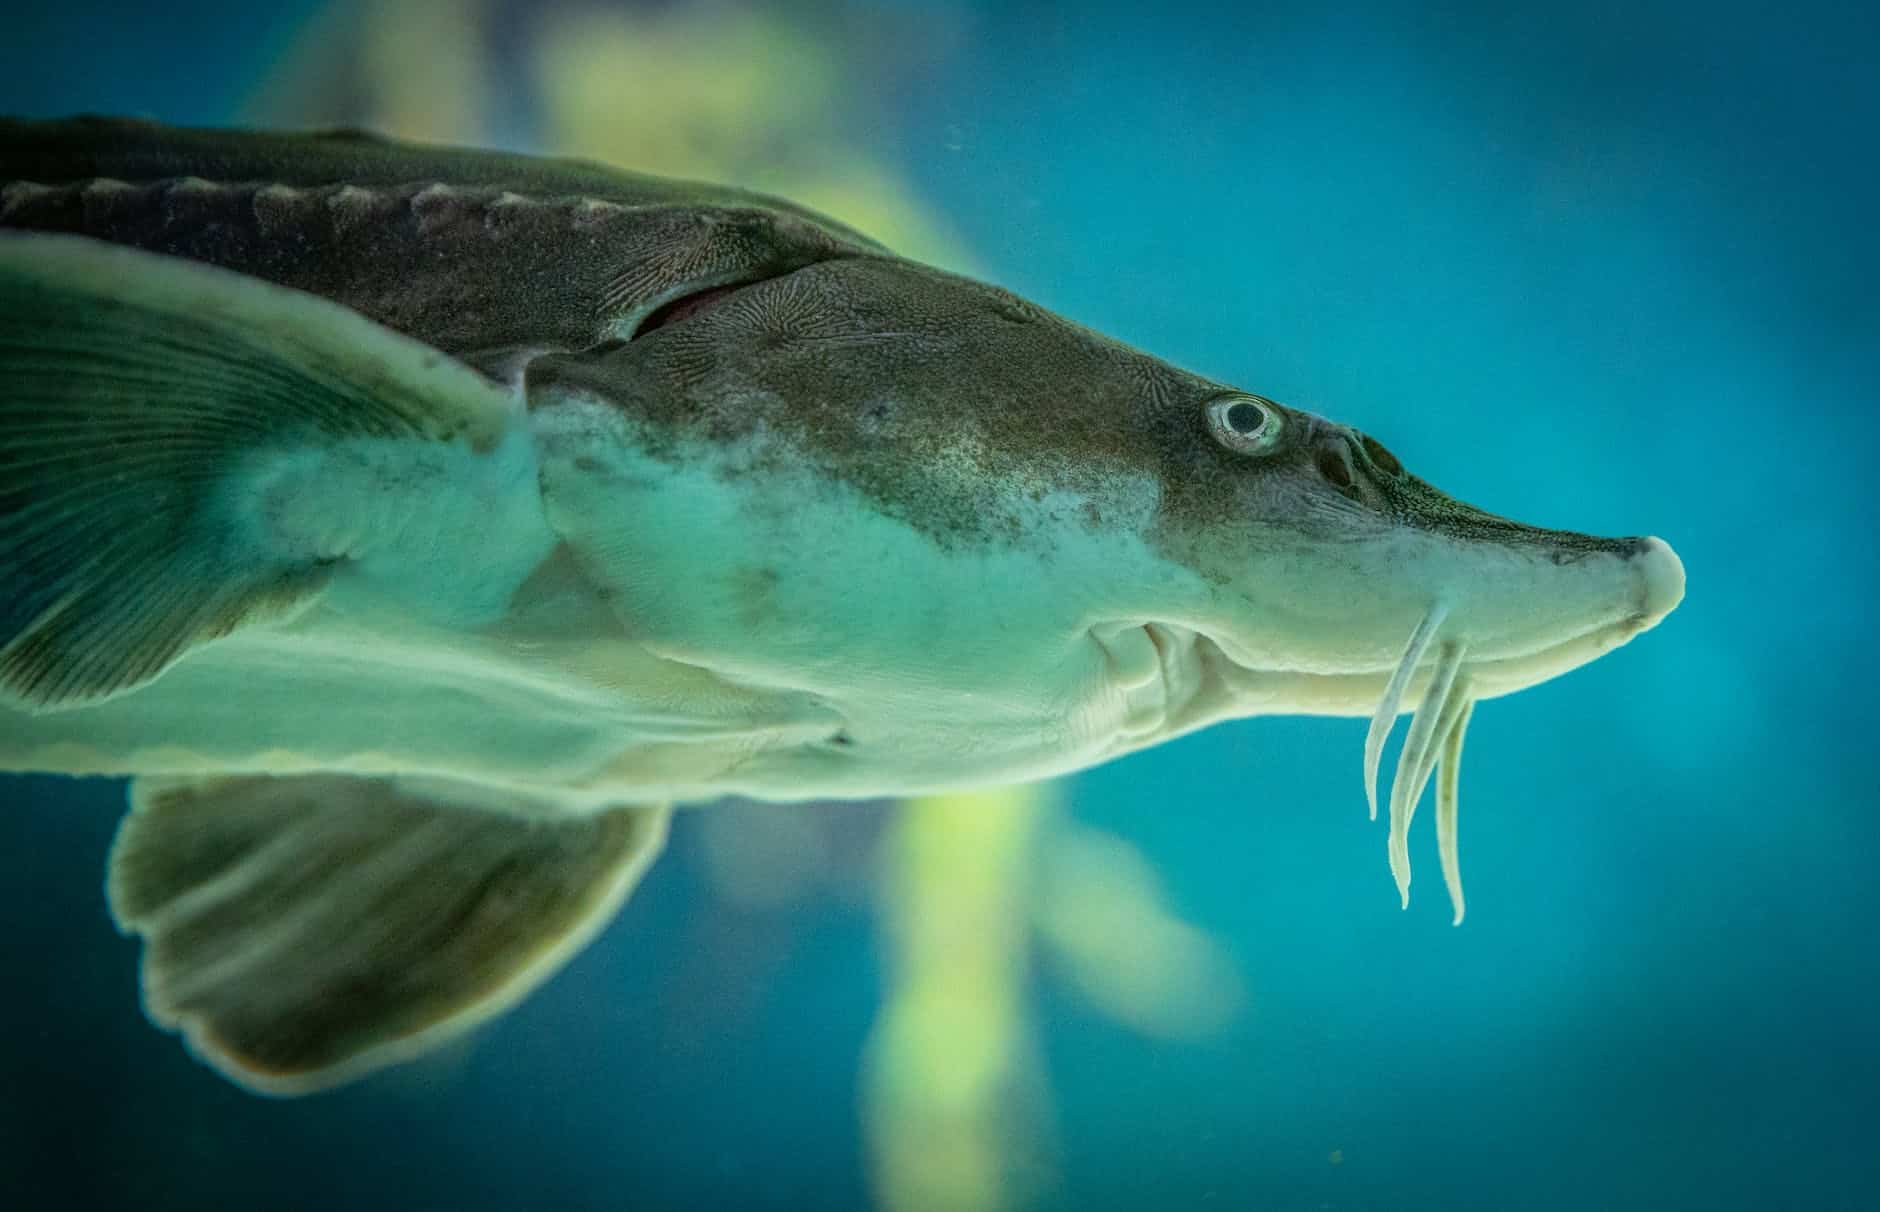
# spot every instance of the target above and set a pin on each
(1413, 764)
(1386, 716)
(1446, 806)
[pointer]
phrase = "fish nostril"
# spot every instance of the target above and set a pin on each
(1334, 465)
(1382, 459)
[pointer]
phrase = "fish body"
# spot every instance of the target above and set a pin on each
(358, 481)
(498, 262)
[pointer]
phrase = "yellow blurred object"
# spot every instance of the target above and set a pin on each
(952, 1091)
(414, 69)
(425, 63)
(722, 94)
(681, 92)
(1102, 911)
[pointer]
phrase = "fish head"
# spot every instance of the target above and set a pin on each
(1331, 556)
(1002, 546)
(1287, 557)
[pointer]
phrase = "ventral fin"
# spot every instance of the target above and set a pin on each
(134, 389)
(302, 932)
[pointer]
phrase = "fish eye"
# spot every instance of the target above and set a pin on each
(1244, 424)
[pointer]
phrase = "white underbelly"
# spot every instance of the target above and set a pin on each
(343, 694)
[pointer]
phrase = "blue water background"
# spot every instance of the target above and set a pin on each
(1602, 266)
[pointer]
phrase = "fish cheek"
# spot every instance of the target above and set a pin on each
(1234, 520)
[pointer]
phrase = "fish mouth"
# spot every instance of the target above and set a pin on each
(1208, 680)
(1452, 686)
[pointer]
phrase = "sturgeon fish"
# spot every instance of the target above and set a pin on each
(415, 525)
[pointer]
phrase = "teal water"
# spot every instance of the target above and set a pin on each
(1609, 269)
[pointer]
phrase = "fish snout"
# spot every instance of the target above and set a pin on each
(1658, 579)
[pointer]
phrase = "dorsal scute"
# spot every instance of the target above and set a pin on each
(436, 246)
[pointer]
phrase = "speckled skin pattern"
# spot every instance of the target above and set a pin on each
(502, 259)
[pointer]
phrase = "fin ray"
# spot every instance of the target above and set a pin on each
(132, 386)
(301, 932)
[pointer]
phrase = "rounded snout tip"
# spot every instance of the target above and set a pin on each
(1660, 579)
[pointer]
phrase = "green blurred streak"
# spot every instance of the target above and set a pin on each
(953, 1098)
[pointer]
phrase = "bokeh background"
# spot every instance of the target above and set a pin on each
(1609, 266)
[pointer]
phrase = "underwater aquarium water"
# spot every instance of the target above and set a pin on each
(1607, 267)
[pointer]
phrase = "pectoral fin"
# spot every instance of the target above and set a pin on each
(301, 932)
(138, 394)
